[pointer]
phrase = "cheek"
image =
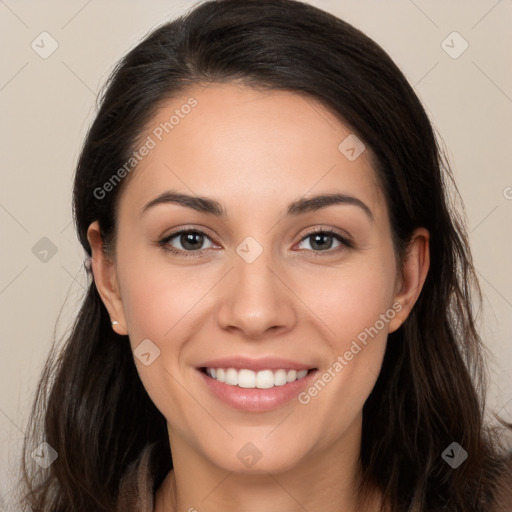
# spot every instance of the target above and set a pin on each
(355, 306)
(160, 304)
(157, 296)
(362, 303)
(350, 299)
(357, 309)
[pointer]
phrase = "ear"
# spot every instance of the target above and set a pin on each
(414, 272)
(105, 278)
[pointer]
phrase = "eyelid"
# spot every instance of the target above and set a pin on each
(328, 230)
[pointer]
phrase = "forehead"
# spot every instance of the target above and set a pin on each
(250, 147)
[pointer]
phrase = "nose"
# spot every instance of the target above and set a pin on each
(256, 301)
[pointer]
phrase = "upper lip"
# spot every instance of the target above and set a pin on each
(250, 363)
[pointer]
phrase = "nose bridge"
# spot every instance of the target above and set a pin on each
(257, 300)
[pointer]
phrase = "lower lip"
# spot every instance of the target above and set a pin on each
(257, 400)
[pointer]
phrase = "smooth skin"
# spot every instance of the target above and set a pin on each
(255, 152)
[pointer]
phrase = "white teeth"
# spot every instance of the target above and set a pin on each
(291, 375)
(246, 379)
(263, 379)
(280, 378)
(231, 377)
(301, 373)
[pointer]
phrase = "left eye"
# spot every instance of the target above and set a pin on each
(323, 240)
(189, 240)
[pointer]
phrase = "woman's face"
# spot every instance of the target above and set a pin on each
(255, 287)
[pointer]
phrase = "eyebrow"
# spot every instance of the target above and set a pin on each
(298, 207)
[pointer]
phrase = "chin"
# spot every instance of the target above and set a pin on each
(258, 457)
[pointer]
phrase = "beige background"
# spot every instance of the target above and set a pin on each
(48, 104)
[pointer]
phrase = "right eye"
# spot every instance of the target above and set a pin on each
(191, 241)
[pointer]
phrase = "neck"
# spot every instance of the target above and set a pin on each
(326, 480)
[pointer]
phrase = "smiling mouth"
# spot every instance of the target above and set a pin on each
(249, 379)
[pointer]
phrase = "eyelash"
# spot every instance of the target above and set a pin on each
(194, 254)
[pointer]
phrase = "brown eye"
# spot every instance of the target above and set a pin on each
(186, 241)
(323, 241)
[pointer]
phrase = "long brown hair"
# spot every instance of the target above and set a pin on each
(431, 389)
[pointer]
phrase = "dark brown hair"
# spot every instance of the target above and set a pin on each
(431, 389)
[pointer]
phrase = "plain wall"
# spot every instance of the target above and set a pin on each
(48, 104)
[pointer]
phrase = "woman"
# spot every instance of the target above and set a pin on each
(280, 292)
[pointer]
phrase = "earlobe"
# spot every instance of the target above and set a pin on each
(410, 283)
(105, 279)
